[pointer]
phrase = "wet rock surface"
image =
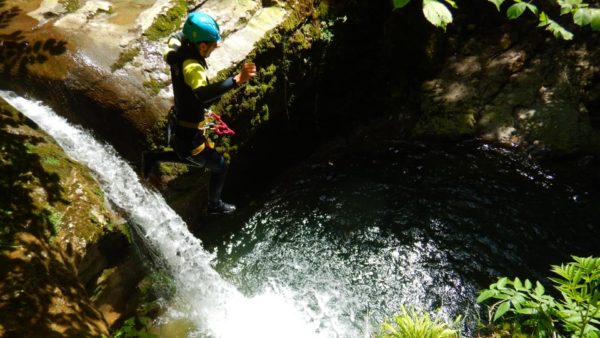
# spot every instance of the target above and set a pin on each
(58, 236)
(527, 90)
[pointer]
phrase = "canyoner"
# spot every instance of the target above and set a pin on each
(192, 127)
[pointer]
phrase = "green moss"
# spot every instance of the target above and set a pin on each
(50, 161)
(47, 189)
(166, 24)
(323, 9)
(172, 169)
(125, 228)
(70, 5)
(55, 218)
(452, 126)
(124, 58)
(92, 15)
(153, 86)
(156, 285)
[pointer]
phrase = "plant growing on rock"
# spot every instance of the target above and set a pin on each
(411, 324)
(577, 314)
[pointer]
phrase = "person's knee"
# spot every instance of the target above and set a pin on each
(215, 162)
(221, 166)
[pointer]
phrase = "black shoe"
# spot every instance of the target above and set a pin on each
(147, 164)
(220, 208)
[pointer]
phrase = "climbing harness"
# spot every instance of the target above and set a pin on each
(210, 125)
(217, 124)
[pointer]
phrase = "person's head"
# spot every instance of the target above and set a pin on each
(202, 30)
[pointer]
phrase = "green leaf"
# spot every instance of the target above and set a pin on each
(539, 288)
(527, 311)
(528, 285)
(498, 3)
(516, 10)
(543, 20)
(517, 300)
(595, 21)
(502, 282)
(501, 310)
(532, 8)
(451, 3)
(559, 31)
(485, 294)
(400, 3)
(518, 285)
(437, 13)
(567, 6)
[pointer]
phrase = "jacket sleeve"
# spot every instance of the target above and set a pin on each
(195, 77)
(209, 93)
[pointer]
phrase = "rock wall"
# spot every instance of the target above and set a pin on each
(520, 87)
(57, 239)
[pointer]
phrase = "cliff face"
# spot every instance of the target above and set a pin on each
(517, 86)
(57, 239)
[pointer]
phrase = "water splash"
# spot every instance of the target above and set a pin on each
(216, 308)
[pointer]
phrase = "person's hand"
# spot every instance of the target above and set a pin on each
(248, 71)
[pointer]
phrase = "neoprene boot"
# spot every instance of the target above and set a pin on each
(220, 208)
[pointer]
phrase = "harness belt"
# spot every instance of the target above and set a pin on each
(206, 144)
(200, 126)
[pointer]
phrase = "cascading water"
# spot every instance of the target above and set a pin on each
(215, 307)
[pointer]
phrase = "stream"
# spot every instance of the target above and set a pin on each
(340, 244)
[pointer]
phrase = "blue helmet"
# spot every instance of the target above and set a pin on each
(201, 27)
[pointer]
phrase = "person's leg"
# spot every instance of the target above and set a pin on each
(215, 162)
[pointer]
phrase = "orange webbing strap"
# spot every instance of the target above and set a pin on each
(206, 144)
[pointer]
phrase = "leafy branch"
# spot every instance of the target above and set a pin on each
(438, 14)
(409, 323)
(578, 312)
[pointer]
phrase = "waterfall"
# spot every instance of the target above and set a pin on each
(215, 307)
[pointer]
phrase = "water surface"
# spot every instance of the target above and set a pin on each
(355, 237)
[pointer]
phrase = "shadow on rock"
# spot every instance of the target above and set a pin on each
(16, 52)
(40, 295)
(22, 174)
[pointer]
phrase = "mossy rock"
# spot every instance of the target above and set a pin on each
(51, 211)
(452, 126)
(167, 23)
(56, 235)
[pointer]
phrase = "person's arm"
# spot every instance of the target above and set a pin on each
(209, 93)
(195, 77)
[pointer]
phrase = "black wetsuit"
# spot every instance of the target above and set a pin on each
(189, 106)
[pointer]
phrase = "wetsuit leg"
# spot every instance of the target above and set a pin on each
(212, 160)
